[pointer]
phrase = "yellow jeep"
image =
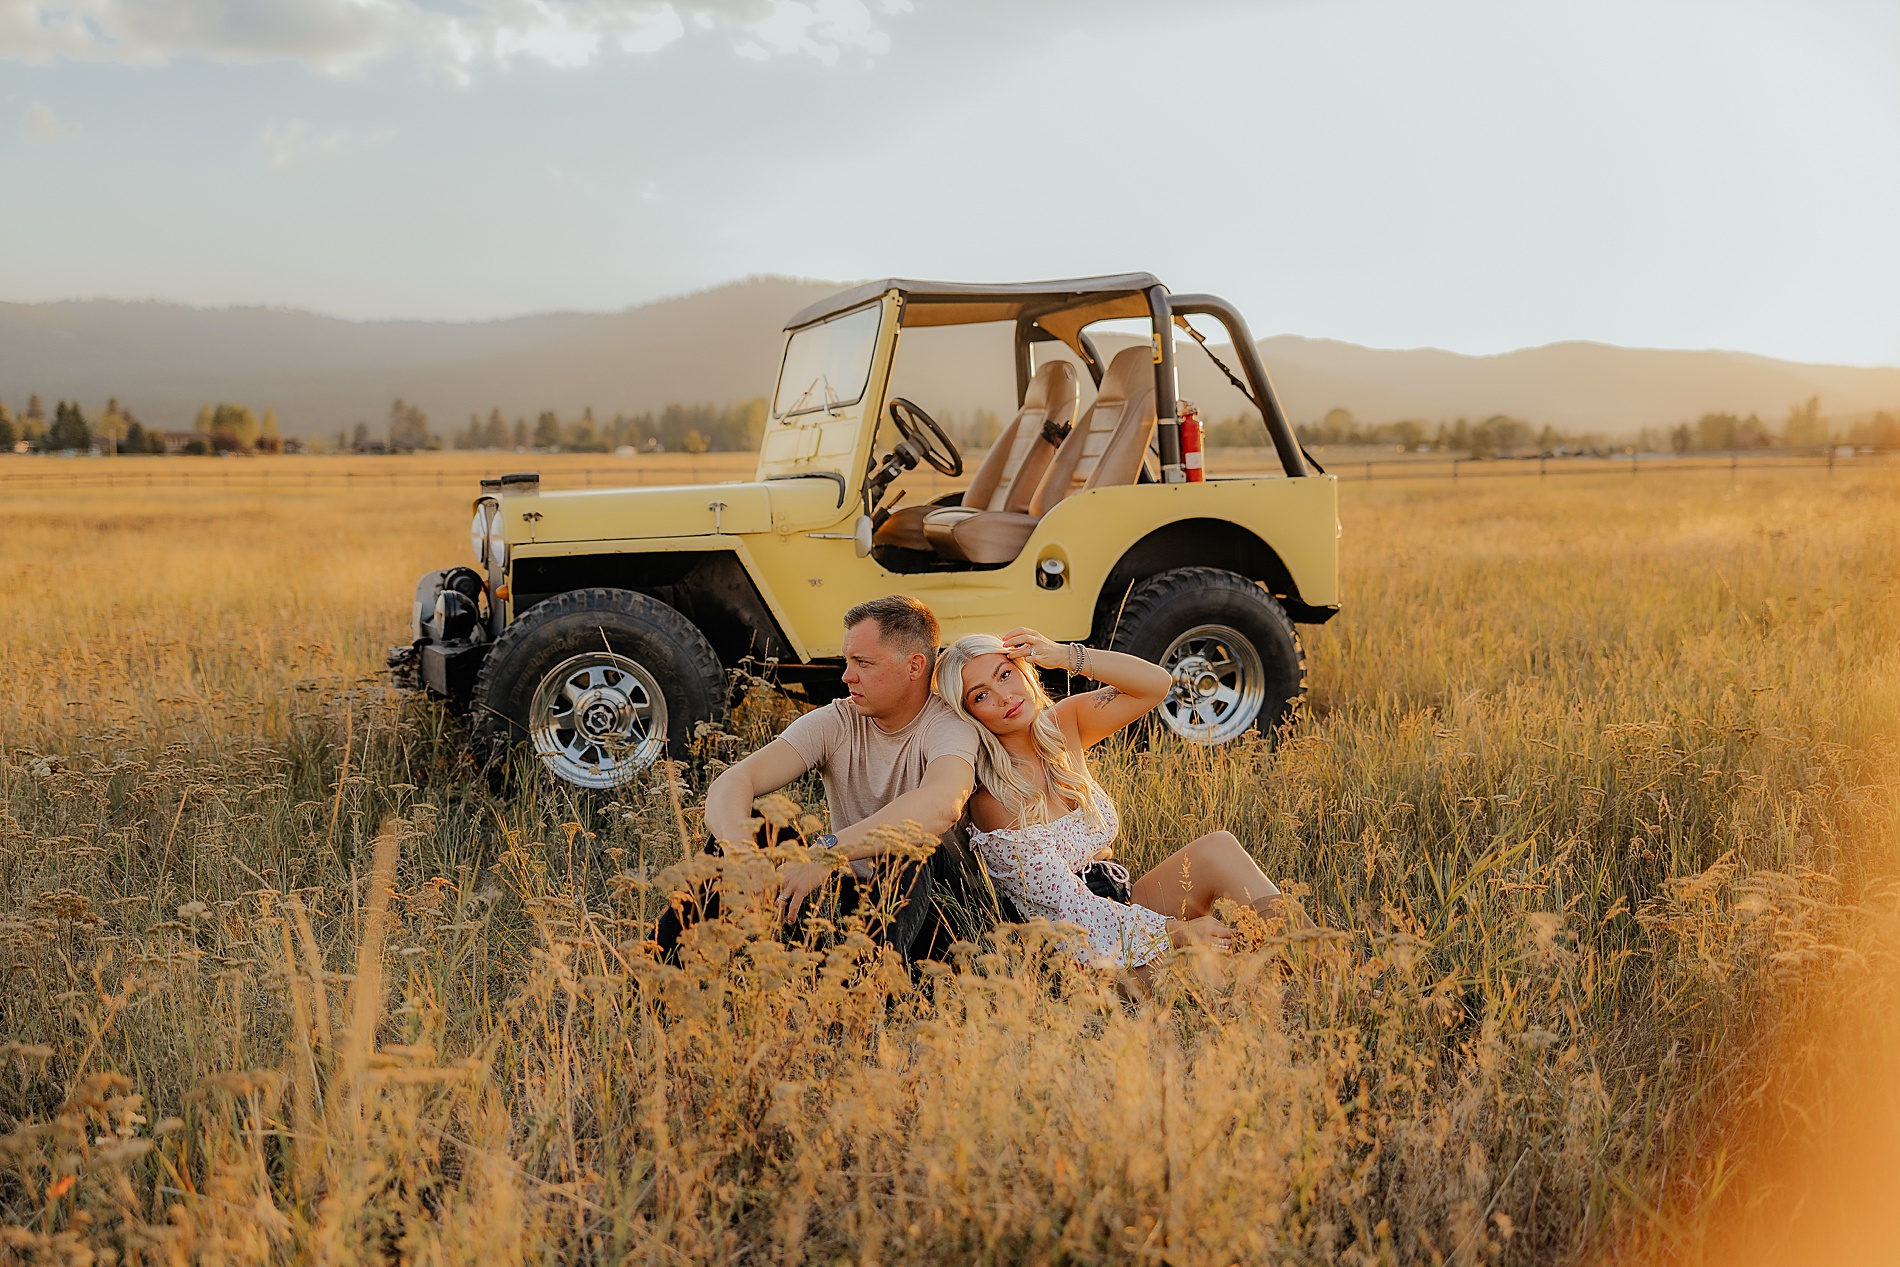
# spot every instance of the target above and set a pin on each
(599, 625)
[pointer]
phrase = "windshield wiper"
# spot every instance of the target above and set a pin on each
(831, 401)
(805, 395)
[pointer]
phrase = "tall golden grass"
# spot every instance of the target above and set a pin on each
(1595, 803)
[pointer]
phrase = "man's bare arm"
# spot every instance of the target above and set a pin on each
(935, 806)
(729, 799)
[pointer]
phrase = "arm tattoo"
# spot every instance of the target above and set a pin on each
(1106, 696)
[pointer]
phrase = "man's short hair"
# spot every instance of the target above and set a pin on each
(903, 623)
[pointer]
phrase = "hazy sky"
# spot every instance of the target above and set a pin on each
(1475, 176)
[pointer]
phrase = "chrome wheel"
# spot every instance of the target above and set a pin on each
(598, 719)
(1219, 685)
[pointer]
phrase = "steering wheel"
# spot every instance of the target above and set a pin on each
(927, 438)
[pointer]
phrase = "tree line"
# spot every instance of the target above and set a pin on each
(1804, 427)
(1504, 436)
(30, 431)
(1495, 436)
(235, 428)
(676, 429)
(220, 428)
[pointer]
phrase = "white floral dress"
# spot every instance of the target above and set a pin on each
(1038, 868)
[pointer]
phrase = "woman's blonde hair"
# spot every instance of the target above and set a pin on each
(1026, 803)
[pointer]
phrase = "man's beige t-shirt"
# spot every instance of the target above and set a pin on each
(865, 767)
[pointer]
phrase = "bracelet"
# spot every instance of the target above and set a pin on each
(1078, 659)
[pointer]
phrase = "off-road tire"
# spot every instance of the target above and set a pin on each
(1164, 607)
(670, 649)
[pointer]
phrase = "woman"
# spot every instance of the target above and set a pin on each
(1044, 827)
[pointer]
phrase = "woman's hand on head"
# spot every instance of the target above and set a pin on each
(1025, 644)
(1205, 931)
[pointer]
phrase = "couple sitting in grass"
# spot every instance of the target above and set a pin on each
(989, 741)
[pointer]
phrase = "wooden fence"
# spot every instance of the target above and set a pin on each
(290, 474)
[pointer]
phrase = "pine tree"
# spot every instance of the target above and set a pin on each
(1805, 426)
(112, 425)
(408, 427)
(547, 430)
(70, 430)
(495, 435)
(228, 427)
(9, 431)
(583, 436)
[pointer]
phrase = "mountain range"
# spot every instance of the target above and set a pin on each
(322, 374)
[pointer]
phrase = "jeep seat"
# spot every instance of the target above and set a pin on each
(1105, 449)
(1013, 467)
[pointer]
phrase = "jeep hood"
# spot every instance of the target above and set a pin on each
(619, 514)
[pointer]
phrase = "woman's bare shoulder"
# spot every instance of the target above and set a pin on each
(987, 812)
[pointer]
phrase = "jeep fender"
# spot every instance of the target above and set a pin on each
(715, 589)
(1215, 543)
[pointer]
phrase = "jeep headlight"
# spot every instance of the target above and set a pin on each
(484, 534)
(478, 534)
(497, 548)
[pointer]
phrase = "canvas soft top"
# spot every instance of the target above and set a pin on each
(1060, 307)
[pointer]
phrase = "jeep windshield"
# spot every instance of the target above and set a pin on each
(827, 365)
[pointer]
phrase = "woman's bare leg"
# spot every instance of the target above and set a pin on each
(1202, 872)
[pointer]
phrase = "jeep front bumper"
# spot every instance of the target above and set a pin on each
(450, 636)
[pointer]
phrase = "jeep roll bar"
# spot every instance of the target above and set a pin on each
(1163, 308)
(1060, 311)
(1292, 457)
(1167, 412)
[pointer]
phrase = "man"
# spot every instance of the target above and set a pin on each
(892, 751)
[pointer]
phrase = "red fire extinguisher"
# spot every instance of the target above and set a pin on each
(1191, 463)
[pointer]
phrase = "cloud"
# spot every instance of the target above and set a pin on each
(822, 29)
(41, 124)
(330, 34)
(342, 36)
(286, 142)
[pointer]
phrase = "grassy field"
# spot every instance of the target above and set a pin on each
(1596, 803)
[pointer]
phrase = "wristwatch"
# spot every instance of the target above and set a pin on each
(825, 840)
